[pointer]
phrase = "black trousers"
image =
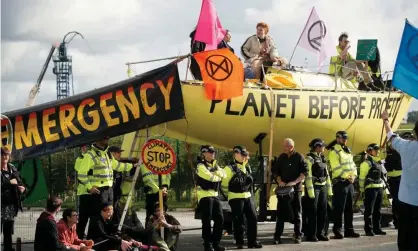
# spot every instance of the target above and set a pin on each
(211, 209)
(373, 198)
(296, 205)
(394, 183)
(316, 212)
(408, 227)
(239, 208)
(7, 227)
(342, 204)
(85, 211)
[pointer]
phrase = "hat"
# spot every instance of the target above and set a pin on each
(207, 149)
(373, 146)
(317, 142)
(115, 149)
(104, 205)
(5, 150)
(407, 135)
(342, 134)
(241, 150)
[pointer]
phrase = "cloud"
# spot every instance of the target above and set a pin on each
(116, 32)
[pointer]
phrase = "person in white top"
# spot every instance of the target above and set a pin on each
(408, 189)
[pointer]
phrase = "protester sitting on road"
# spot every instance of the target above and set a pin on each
(67, 234)
(408, 199)
(46, 233)
(12, 190)
(171, 225)
(104, 232)
(260, 49)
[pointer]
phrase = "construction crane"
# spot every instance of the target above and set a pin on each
(63, 68)
(35, 89)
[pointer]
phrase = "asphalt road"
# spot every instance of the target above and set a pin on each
(191, 240)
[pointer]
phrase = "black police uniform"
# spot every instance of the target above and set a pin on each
(240, 183)
(393, 163)
(209, 204)
(318, 184)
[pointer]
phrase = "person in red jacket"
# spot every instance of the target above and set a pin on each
(67, 233)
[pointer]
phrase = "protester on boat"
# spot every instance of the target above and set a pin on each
(67, 233)
(209, 177)
(237, 186)
(171, 225)
(195, 46)
(289, 171)
(349, 68)
(317, 189)
(260, 50)
(104, 232)
(12, 190)
(225, 41)
(371, 189)
(408, 199)
(46, 233)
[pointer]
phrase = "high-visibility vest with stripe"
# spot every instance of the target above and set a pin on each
(313, 160)
(209, 172)
(366, 180)
(341, 163)
(151, 180)
(229, 172)
(81, 188)
(97, 167)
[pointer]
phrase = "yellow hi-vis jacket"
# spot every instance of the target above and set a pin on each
(210, 172)
(229, 173)
(365, 167)
(125, 187)
(81, 188)
(309, 184)
(336, 63)
(341, 163)
(97, 167)
(151, 182)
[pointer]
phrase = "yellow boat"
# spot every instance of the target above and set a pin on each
(307, 105)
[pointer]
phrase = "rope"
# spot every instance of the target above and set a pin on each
(159, 59)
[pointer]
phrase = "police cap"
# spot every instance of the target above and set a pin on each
(317, 142)
(241, 150)
(373, 146)
(341, 134)
(207, 149)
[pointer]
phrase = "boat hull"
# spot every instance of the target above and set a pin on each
(299, 114)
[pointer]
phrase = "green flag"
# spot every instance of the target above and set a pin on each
(33, 177)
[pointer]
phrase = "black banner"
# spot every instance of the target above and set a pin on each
(144, 101)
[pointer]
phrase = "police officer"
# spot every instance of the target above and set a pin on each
(100, 164)
(344, 173)
(317, 188)
(152, 188)
(371, 187)
(209, 177)
(237, 186)
(85, 211)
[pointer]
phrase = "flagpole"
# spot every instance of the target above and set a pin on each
(301, 35)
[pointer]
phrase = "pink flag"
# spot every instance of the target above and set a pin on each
(209, 29)
(316, 37)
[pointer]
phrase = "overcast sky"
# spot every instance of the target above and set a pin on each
(116, 32)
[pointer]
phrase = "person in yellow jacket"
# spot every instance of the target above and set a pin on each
(96, 173)
(344, 173)
(348, 68)
(317, 189)
(237, 187)
(84, 210)
(152, 188)
(208, 180)
(371, 187)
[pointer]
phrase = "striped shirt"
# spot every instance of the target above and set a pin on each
(409, 182)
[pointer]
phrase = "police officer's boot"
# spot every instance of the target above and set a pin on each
(218, 247)
(255, 245)
(208, 247)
